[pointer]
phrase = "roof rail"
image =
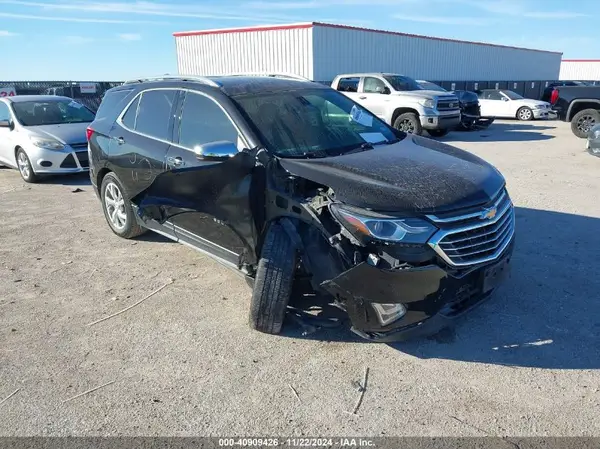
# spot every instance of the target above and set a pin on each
(270, 74)
(201, 79)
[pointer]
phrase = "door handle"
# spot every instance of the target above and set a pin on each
(120, 140)
(176, 161)
(363, 98)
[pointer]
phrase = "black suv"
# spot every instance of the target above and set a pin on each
(284, 179)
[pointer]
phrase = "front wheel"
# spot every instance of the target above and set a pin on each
(118, 209)
(273, 282)
(437, 132)
(525, 114)
(25, 167)
(409, 123)
(584, 121)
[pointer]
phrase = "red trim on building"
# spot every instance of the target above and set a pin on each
(581, 60)
(295, 26)
(347, 27)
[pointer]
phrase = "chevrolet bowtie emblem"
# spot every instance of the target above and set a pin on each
(488, 214)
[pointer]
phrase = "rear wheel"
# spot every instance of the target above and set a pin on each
(25, 167)
(273, 282)
(117, 208)
(584, 121)
(409, 123)
(525, 114)
(437, 132)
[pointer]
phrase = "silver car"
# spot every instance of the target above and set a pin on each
(43, 134)
(593, 141)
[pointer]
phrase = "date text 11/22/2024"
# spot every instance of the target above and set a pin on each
(296, 442)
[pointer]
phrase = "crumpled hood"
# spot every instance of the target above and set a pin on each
(68, 133)
(415, 175)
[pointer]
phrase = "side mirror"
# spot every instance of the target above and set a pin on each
(504, 99)
(386, 91)
(216, 151)
(6, 124)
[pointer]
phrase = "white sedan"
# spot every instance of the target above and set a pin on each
(509, 104)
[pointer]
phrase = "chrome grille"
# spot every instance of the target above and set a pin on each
(447, 104)
(476, 237)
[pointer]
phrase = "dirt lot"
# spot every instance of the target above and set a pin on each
(184, 362)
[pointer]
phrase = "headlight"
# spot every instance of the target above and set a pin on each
(380, 227)
(48, 144)
(427, 103)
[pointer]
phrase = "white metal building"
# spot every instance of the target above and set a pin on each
(580, 69)
(320, 51)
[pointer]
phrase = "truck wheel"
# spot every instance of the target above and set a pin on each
(273, 282)
(437, 132)
(525, 114)
(409, 123)
(583, 122)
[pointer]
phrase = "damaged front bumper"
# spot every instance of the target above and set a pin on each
(433, 297)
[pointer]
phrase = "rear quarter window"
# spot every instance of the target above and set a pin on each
(112, 104)
(348, 84)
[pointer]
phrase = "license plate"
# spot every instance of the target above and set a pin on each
(495, 274)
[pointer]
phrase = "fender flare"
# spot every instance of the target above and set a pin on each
(580, 100)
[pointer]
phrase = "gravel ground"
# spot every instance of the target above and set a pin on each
(184, 362)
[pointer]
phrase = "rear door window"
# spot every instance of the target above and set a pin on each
(348, 84)
(129, 117)
(154, 113)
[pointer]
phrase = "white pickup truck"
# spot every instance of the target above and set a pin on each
(401, 102)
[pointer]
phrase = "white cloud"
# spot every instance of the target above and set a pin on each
(517, 8)
(76, 40)
(5, 33)
(130, 37)
(65, 19)
(444, 20)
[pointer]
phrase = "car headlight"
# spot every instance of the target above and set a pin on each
(48, 144)
(365, 226)
(427, 103)
(388, 313)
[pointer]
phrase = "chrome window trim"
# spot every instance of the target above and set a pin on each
(436, 219)
(119, 120)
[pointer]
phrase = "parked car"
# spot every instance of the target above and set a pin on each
(401, 102)
(593, 141)
(508, 104)
(43, 135)
(428, 85)
(283, 179)
(579, 105)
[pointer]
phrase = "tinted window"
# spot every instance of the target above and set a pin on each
(348, 84)
(154, 113)
(129, 117)
(373, 85)
(203, 121)
(492, 95)
(4, 112)
(51, 112)
(512, 95)
(110, 104)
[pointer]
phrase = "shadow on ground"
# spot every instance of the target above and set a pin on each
(547, 315)
(75, 180)
(503, 132)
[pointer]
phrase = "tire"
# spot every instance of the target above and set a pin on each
(525, 114)
(25, 168)
(273, 282)
(117, 208)
(409, 123)
(438, 132)
(584, 121)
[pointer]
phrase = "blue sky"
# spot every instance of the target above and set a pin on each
(114, 40)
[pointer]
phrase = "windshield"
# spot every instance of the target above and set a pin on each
(512, 95)
(401, 82)
(431, 86)
(51, 112)
(313, 123)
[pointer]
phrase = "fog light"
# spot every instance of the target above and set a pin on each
(388, 313)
